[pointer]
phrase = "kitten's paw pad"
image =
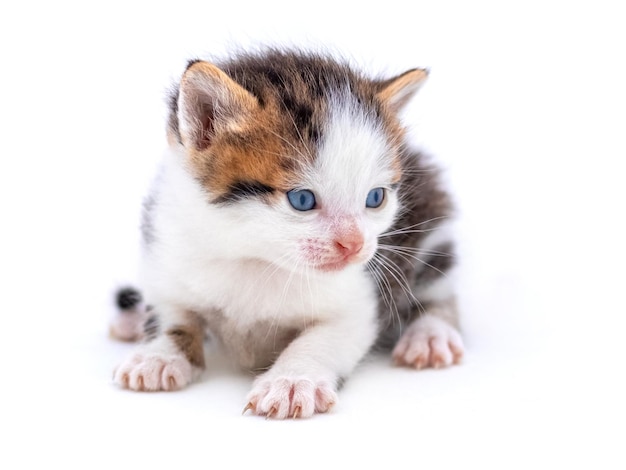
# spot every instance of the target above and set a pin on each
(153, 372)
(429, 342)
(290, 398)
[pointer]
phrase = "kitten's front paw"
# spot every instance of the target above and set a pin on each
(147, 372)
(286, 397)
(429, 342)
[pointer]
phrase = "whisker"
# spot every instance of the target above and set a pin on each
(296, 149)
(412, 250)
(393, 269)
(384, 287)
(412, 228)
(407, 256)
(295, 126)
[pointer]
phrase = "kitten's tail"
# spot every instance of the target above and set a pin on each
(128, 298)
(127, 323)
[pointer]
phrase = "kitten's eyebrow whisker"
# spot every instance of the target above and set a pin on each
(268, 152)
(296, 149)
(295, 126)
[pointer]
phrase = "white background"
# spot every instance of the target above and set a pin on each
(526, 110)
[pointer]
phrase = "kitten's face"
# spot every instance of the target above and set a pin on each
(301, 179)
(322, 214)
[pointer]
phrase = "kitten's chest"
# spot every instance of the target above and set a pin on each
(255, 310)
(253, 345)
(252, 291)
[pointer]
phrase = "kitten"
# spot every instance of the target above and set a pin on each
(292, 220)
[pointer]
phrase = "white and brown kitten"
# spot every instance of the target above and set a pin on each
(292, 220)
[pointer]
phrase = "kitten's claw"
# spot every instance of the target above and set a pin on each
(124, 380)
(297, 411)
(399, 361)
(249, 406)
(172, 383)
(271, 412)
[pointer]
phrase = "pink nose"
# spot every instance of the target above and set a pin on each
(349, 246)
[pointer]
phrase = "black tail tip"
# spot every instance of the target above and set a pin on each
(127, 298)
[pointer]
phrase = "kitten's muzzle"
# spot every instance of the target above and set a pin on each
(346, 250)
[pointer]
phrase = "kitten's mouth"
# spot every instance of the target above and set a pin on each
(340, 264)
(333, 266)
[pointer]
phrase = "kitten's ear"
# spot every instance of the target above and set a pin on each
(209, 101)
(398, 91)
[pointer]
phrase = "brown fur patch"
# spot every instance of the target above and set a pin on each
(254, 153)
(277, 139)
(189, 338)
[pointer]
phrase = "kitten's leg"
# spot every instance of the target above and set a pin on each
(433, 338)
(304, 378)
(171, 356)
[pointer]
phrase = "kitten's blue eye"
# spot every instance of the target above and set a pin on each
(375, 198)
(301, 200)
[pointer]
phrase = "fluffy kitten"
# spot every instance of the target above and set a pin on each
(291, 220)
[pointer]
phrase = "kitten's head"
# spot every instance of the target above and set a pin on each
(298, 155)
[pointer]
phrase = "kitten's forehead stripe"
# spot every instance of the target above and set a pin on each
(243, 190)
